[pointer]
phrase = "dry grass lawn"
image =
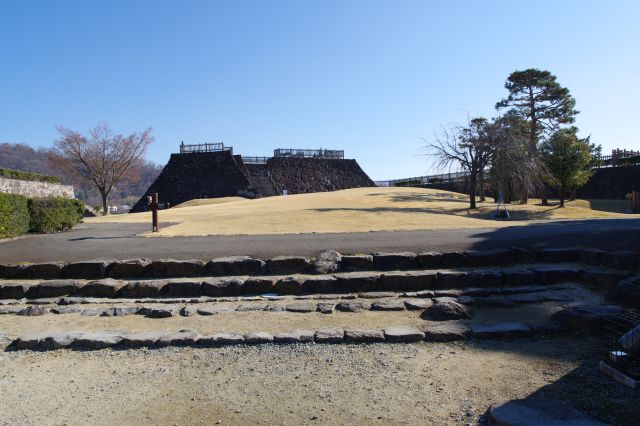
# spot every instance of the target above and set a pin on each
(352, 210)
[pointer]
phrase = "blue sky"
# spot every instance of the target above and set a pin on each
(370, 77)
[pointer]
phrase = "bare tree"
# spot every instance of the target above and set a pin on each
(103, 157)
(470, 147)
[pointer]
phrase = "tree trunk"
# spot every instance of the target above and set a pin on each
(562, 190)
(105, 203)
(524, 198)
(574, 194)
(543, 196)
(473, 181)
(482, 197)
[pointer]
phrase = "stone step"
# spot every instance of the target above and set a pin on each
(52, 340)
(342, 282)
(245, 265)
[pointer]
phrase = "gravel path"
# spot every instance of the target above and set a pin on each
(301, 384)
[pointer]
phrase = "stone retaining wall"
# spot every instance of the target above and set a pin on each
(29, 188)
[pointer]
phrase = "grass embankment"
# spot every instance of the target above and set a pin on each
(353, 210)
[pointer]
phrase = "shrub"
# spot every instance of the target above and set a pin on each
(14, 215)
(20, 175)
(53, 214)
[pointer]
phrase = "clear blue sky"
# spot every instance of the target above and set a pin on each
(370, 77)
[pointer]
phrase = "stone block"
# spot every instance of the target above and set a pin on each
(452, 280)
(357, 281)
(259, 285)
(120, 311)
(603, 279)
(505, 330)
(626, 260)
(178, 338)
(13, 290)
(301, 307)
(320, 284)
(518, 277)
(626, 292)
(258, 338)
(99, 340)
(592, 256)
(46, 270)
(129, 268)
(53, 288)
(235, 265)
(559, 255)
(223, 287)
(403, 334)
(88, 269)
(29, 341)
(172, 268)
(418, 304)
(326, 308)
(525, 255)
(447, 331)
(429, 260)
(142, 289)
(297, 336)
(106, 287)
(289, 285)
(33, 311)
(283, 265)
(142, 339)
(182, 289)
(59, 340)
(550, 275)
(11, 271)
(395, 261)
(490, 257)
(454, 259)
(362, 262)
(408, 281)
(329, 335)
(160, 312)
(485, 278)
(364, 336)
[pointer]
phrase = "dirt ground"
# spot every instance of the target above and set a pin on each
(422, 383)
(352, 210)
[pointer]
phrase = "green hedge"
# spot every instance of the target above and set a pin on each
(53, 214)
(14, 215)
(20, 175)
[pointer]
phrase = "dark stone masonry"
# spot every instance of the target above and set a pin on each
(189, 176)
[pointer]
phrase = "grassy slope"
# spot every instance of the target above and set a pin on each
(353, 210)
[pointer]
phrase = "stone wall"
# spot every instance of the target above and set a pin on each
(306, 175)
(611, 183)
(30, 188)
(198, 175)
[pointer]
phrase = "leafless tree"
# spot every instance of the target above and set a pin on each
(102, 156)
(469, 147)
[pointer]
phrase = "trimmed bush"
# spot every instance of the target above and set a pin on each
(14, 215)
(53, 214)
(20, 175)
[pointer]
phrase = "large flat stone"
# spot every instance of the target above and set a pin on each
(452, 280)
(388, 305)
(29, 341)
(60, 340)
(235, 265)
(626, 260)
(329, 335)
(161, 312)
(326, 307)
(142, 339)
(553, 275)
(444, 310)
(446, 331)
(353, 306)
(417, 304)
(452, 259)
(13, 290)
(120, 311)
(179, 338)
(357, 281)
(364, 336)
(297, 336)
(587, 319)
(259, 285)
(485, 278)
(289, 285)
(99, 340)
(283, 265)
(33, 311)
(403, 334)
(538, 410)
(46, 270)
(518, 276)
(559, 255)
(490, 257)
(626, 292)
(301, 307)
(320, 284)
(429, 260)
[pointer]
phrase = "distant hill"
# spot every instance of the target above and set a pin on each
(46, 161)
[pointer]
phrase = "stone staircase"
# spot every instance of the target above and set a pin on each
(261, 181)
(332, 298)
